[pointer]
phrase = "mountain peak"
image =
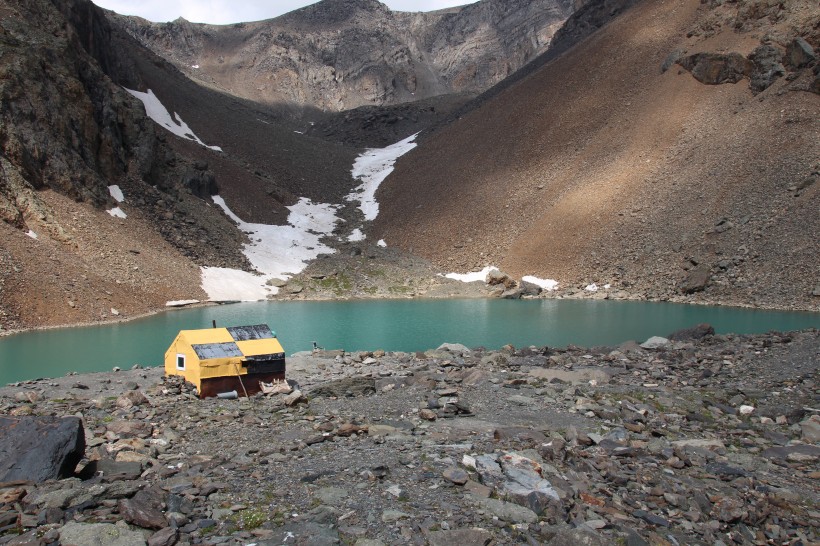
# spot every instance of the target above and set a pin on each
(337, 11)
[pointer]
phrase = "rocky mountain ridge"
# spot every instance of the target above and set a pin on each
(340, 54)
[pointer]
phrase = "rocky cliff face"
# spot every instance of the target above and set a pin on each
(341, 54)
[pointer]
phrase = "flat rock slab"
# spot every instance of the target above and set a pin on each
(99, 534)
(795, 453)
(462, 537)
(40, 448)
(576, 376)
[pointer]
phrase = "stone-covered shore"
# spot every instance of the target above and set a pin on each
(698, 440)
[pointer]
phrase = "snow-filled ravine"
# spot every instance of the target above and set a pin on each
(157, 112)
(279, 252)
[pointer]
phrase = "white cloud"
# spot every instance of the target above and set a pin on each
(223, 12)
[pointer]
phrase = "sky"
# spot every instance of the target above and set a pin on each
(224, 12)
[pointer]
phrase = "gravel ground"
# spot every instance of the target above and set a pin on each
(699, 440)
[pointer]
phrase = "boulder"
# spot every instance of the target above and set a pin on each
(144, 509)
(496, 277)
(529, 289)
(455, 348)
(511, 294)
(717, 68)
(697, 280)
(689, 334)
(767, 67)
(799, 53)
(811, 429)
(655, 342)
(201, 183)
(40, 448)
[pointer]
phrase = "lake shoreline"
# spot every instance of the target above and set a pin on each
(560, 294)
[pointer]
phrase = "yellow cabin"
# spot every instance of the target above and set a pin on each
(220, 360)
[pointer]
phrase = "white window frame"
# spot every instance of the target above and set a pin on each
(181, 356)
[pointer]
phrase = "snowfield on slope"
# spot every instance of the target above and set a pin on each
(372, 167)
(279, 252)
(157, 112)
(275, 251)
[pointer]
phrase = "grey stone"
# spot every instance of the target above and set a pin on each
(455, 348)
(767, 67)
(456, 475)
(462, 537)
(799, 53)
(521, 400)
(655, 342)
(575, 376)
(165, 537)
(578, 537)
(144, 510)
(697, 280)
(811, 429)
(507, 511)
(111, 471)
(334, 496)
(99, 534)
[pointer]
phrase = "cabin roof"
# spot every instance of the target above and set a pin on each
(216, 350)
(254, 342)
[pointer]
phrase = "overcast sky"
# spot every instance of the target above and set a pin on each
(223, 12)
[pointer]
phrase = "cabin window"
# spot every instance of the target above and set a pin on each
(180, 362)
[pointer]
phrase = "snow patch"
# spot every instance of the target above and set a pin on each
(473, 276)
(372, 167)
(117, 212)
(31, 234)
(116, 193)
(591, 287)
(223, 284)
(194, 66)
(382, 243)
(545, 284)
(356, 236)
(274, 251)
(180, 303)
(156, 111)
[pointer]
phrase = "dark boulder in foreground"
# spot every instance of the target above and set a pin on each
(40, 448)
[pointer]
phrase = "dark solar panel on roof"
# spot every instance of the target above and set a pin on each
(244, 333)
(216, 350)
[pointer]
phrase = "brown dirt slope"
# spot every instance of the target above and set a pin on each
(600, 167)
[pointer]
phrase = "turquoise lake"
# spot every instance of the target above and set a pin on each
(392, 325)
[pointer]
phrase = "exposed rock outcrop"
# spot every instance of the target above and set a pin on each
(340, 54)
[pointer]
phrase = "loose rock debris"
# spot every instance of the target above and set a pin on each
(697, 441)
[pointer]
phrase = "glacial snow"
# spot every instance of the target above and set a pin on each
(279, 252)
(157, 112)
(372, 167)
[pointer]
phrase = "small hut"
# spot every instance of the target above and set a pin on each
(221, 360)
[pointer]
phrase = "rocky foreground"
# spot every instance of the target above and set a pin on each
(695, 439)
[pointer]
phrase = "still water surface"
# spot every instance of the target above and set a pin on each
(393, 325)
